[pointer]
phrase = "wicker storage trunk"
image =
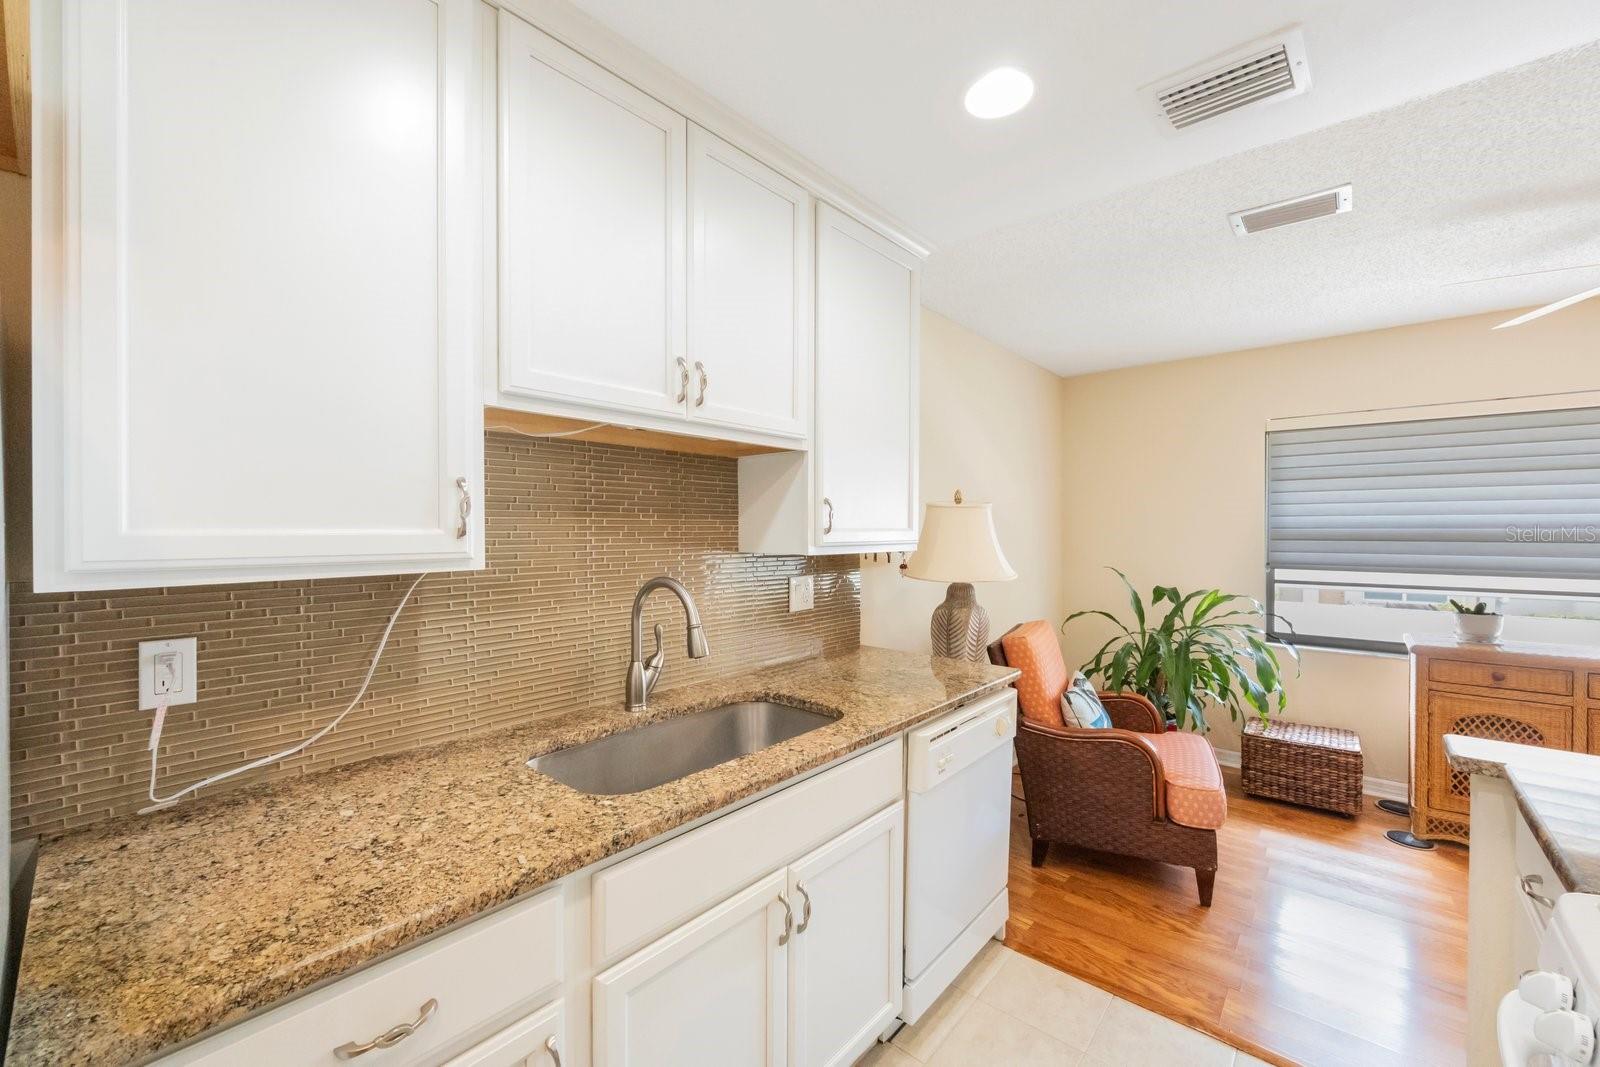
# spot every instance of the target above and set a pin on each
(1318, 766)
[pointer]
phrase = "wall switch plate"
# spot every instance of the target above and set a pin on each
(167, 668)
(802, 592)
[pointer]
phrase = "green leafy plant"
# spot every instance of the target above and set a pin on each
(1206, 647)
(1480, 608)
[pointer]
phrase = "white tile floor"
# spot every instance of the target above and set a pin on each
(1008, 1009)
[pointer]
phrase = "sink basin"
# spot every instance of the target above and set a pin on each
(661, 752)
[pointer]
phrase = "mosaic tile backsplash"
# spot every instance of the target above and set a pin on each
(573, 529)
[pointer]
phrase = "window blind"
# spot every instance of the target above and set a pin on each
(1511, 496)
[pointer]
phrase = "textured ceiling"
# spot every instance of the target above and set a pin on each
(1492, 178)
(1083, 234)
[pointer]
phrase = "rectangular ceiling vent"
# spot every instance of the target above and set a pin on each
(1275, 69)
(1288, 212)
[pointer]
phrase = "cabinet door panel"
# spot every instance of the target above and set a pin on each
(713, 991)
(256, 349)
(749, 290)
(1516, 721)
(592, 216)
(845, 964)
(867, 404)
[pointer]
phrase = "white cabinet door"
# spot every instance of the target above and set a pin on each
(592, 218)
(537, 1041)
(867, 402)
(257, 290)
(714, 991)
(845, 958)
(749, 291)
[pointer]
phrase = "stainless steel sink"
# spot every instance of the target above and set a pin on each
(661, 752)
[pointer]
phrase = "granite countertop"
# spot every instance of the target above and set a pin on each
(1557, 792)
(147, 931)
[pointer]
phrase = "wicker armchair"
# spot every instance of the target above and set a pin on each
(1112, 789)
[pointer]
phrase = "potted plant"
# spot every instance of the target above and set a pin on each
(1206, 647)
(1477, 624)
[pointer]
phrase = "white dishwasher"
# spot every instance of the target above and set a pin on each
(958, 836)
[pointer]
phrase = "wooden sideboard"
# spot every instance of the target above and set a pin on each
(1546, 695)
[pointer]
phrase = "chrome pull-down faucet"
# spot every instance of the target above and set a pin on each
(643, 674)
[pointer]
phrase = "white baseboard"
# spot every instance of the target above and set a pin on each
(1382, 788)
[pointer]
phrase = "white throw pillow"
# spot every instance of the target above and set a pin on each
(1081, 707)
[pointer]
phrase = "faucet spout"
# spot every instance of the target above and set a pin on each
(643, 674)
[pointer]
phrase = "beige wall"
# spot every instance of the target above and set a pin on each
(991, 427)
(1168, 463)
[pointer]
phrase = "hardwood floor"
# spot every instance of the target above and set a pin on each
(1325, 944)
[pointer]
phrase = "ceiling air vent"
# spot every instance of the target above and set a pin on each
(1273, 69)
(1289, 212)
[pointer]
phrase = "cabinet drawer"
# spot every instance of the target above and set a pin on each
(643, 897)
(1500, 676)
(478, 974)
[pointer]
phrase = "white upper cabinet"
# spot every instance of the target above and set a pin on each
(592, 220)
(257, 295)
(749, 291)
(856, 489)
(867, 405)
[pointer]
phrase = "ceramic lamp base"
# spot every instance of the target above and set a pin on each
(960, 627)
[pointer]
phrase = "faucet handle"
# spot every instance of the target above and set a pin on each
(654, 660)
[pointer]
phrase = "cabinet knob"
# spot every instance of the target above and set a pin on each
(1497, 676)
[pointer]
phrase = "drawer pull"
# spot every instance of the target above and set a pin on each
(555, 1053)
(1530, 882)
(788, 920)
(1497, 676)
(390, 1037)
(805, 912)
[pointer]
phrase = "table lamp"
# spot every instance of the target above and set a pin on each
(958, 545)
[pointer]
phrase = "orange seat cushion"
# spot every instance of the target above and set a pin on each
(1032, 649)
(1195, 796)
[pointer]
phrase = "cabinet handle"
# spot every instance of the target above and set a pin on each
(805, 912)
(683, 379)
(827, 527)
(550, 1047)
(1530, 882)
(390, 1037)
(465, 507)
(705, 380)
(788, 920)
(1497, 676)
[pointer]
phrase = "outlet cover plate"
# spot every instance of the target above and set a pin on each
(802, 593)
(184, 691)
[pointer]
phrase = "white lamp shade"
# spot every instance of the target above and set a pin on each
(958, 544)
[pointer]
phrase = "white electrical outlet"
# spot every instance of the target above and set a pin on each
(167, 669)
(802, 593)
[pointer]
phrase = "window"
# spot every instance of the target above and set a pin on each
(1372, 528)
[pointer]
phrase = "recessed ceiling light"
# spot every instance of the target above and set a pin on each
(1001, 92)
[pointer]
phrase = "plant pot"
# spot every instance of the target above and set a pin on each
(1479, 629)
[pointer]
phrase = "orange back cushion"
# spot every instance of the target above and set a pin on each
(1033, 650)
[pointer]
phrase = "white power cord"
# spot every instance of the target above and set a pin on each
(158, 803)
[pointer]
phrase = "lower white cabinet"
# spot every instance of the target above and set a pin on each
(537, 1041)
(845, 957)
(803, 968)
(713, 991)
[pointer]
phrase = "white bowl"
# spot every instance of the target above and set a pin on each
(1479, 629)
